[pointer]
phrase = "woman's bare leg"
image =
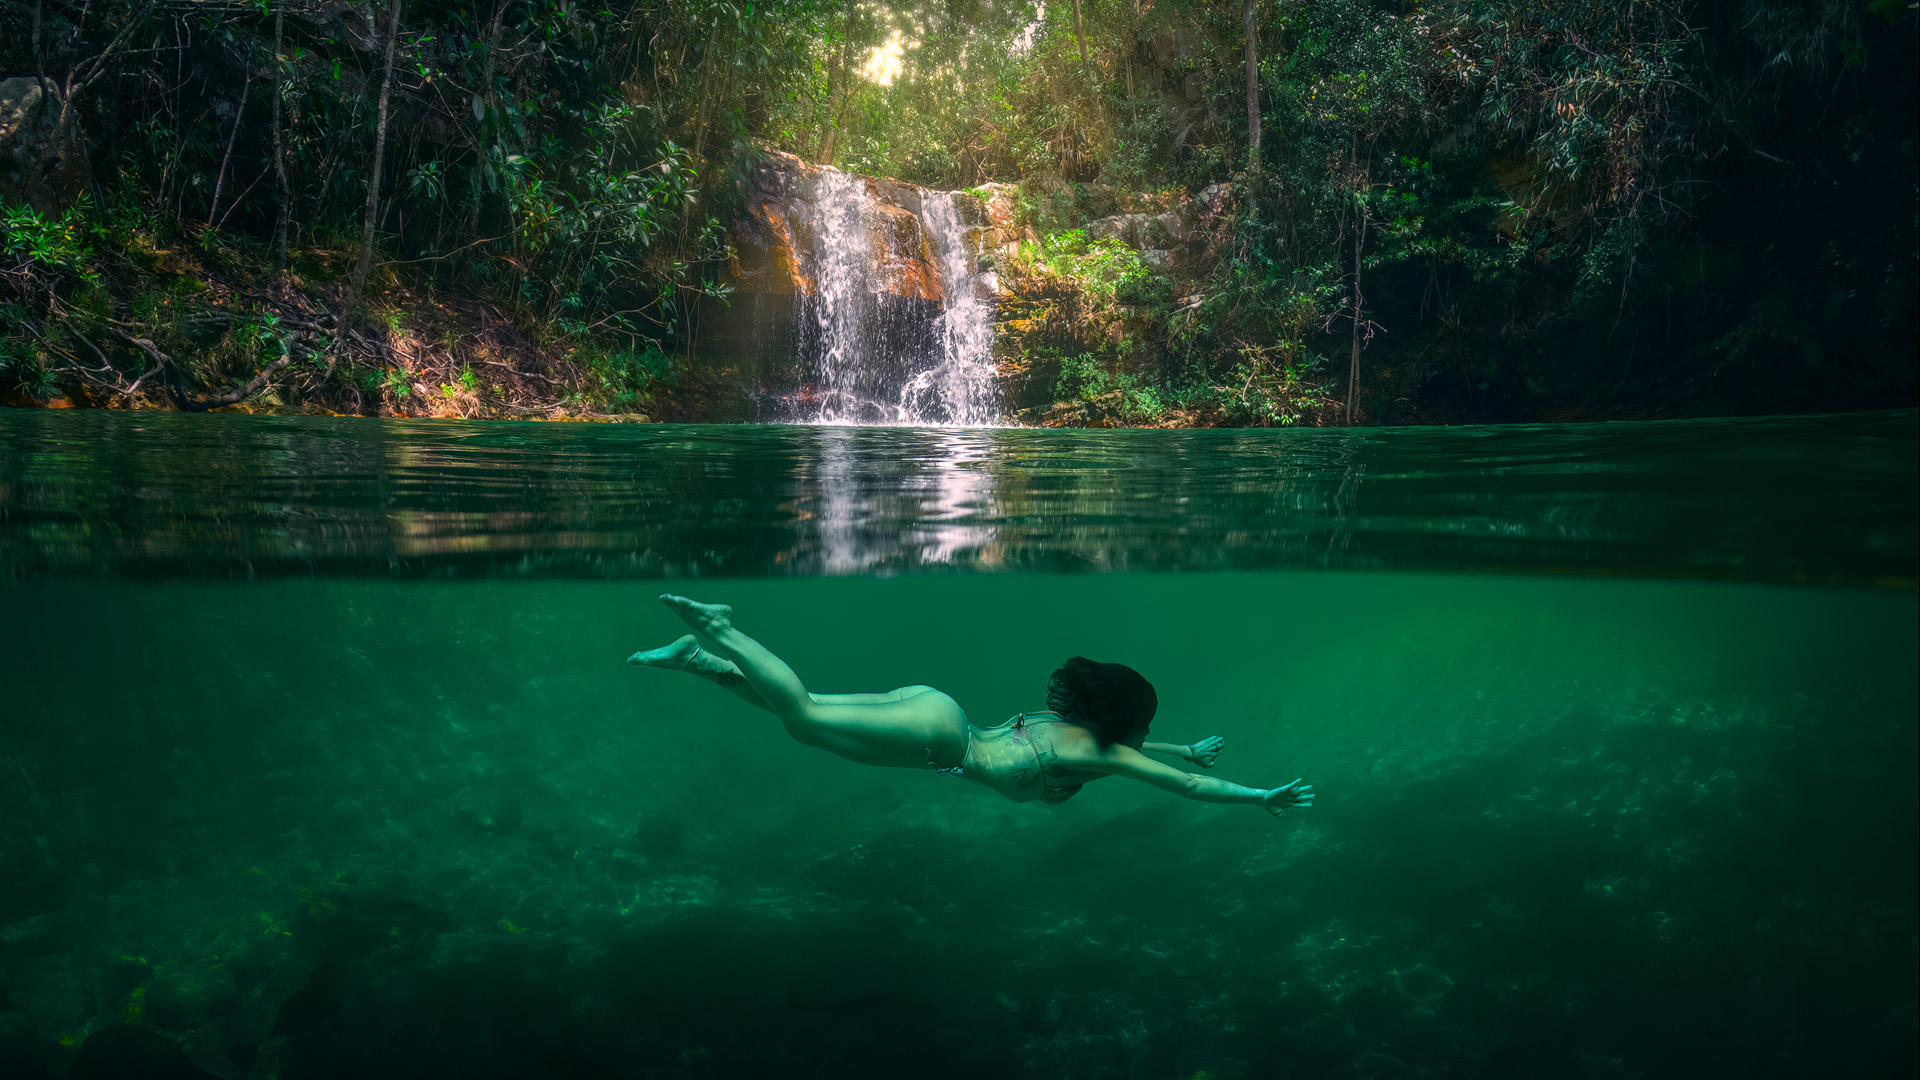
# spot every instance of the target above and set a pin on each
(902, 728)
(685, 654)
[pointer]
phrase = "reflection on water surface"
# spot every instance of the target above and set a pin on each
(1825, 499)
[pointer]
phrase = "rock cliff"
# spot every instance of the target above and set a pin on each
(839, 285)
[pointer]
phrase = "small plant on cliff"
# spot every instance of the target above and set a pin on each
(1096, 268)
(1085, 378)
(60, 245)
(1272, 386)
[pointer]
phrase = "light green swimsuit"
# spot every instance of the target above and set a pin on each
(1016, 759)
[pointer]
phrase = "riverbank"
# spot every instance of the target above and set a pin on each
(1099, 298)
(143, 320)
(1094, 307)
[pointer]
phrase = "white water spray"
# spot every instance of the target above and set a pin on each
(844, 299)
(862, 372)
(959, 390)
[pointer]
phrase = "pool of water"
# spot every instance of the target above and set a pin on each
(319, 759)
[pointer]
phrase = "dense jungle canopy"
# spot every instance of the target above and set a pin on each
(1418, 211)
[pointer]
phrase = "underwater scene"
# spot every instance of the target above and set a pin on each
(319, 754)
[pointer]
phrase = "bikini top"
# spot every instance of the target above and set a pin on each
(1016, 759)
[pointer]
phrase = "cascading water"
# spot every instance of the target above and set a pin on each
(871, 361)
(844, 300)
(960, 389)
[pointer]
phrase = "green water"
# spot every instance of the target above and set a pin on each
(339, 743)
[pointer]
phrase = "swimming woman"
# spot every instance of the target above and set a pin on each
(1095, 723)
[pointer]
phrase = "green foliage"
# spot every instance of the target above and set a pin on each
(1086, 378)
(626, 378)
(1141, 287)
(1100, 268)
(16, 350)
(61, 245)
(1608, 261)
(466, 382)
(575, 168)
(391, 381)
(1766, 323)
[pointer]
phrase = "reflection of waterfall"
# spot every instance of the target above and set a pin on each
(959, 493)
(880, 501)
(880, 353)
(839, 508)
(959, 388)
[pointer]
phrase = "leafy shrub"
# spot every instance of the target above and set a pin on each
(61, 245)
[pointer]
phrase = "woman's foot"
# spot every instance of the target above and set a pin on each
(675, 656)
(685, 654)
(706, 619)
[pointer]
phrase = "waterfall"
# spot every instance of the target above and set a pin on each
(959, 389)
(871, 358)
(845, 301)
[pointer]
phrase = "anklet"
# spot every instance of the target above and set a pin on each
(695, 655)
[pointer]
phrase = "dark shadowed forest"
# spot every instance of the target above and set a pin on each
(1259, 212)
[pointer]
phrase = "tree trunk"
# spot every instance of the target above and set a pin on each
(823, 150)
(279, 145)
(84, 74)
(839, 98)
(1252, 35)
(233, 136)
(359, 283)
(39, 61)
(479, 130)
(1080, 39)
(706, 91)
(1353, 367)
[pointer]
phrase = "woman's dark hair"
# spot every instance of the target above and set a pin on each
(1111, 700)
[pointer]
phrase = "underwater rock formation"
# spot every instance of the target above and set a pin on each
(190, 997)
(129, 1052)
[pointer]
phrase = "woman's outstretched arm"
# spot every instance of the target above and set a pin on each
(1121, 760)
(1200, 753)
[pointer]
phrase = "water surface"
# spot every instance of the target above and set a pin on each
(1783, 499)
(324, 722)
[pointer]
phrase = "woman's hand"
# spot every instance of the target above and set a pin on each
(1203, 752)
(1294, 796)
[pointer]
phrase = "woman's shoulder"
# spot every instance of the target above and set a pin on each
(1058, 726)
(1071, 742)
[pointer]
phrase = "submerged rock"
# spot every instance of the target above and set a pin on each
(190, 998)
(122, 977)
(252, 947)
(494, 812)
(213, 1051)
(44, 933)
(24, 1053)
(127, 1052)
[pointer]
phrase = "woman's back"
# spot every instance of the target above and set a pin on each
(1028, 757)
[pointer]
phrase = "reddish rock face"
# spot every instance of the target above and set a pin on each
(902, 261)
(773, 242)
(763, 253)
